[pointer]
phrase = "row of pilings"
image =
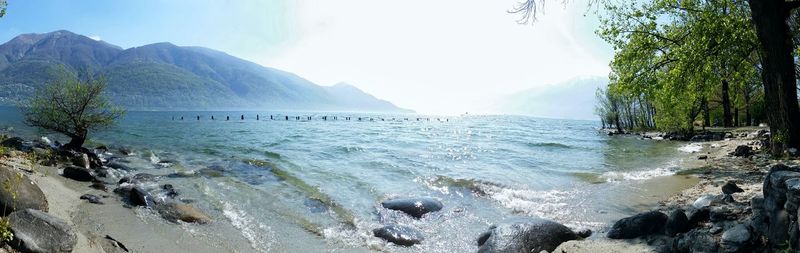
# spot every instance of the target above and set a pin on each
(307, 118)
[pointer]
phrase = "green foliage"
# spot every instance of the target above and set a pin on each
(6, 235)
(674, 55)
(73, 107)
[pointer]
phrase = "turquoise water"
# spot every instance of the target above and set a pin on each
(321, 182)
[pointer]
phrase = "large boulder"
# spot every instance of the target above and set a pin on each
(778, 208)
(696, 241)
(175, 212)
(141, 197)
(400, 235)
(36, 231)
(737, 239)
(23, 192)
(638, 225)
(77, 173)
(743, 151)
(415, 207)
(677, 222)
(13, 142)
(525, 235)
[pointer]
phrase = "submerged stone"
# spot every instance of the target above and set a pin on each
(400, 235)
(525, 235)
(416, 207)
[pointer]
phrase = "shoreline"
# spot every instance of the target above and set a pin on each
(93, 222)
(713, 167)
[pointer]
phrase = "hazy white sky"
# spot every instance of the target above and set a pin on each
(440, 56)
(433, 56)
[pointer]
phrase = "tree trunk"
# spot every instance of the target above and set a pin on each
(726, 104)
(747, 116)
(75, 143)
(706, 114)
(778, 74)
(736, 116)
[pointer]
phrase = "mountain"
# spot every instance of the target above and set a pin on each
(163, 76)
(572, 99)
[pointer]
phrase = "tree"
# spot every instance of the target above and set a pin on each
(72, 106)
(770, 18)
(778, 75)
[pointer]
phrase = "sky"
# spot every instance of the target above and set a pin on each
(444, 56)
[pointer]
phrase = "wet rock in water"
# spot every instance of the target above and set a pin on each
(743, 151)
(26, 194)
(677, 222)
(77, 173)
(212, 171)
(125, 151)
(737, 239)
(638, 225)
(400, 235)
(526, 235)
(315, 206)
(416, 207)
(175, 212)
(36, 231)
(94, 199)
(730, 188)
(120, 166)
(169, 190)
(140, 197)
(139, 178)
(184, 174)
(696, 241)
(108, 244)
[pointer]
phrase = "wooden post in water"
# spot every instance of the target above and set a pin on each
(212, 117)
(257, 117)
(227, 117)
(198, 117)
(242, 116)
(181, 117)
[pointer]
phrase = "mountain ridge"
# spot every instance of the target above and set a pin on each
(164, 76)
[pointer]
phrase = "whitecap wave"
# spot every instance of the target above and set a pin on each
(258, 234)
(691, 148)
(616, 176)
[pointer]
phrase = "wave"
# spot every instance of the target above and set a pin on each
(444, 184)
(691, 148)
(616, 176)
(257, 233)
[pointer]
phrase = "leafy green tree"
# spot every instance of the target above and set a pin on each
(72, 106)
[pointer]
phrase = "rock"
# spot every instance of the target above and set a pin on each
(400, 235)
(140, 197)
(125, 151)
(415, 207)
(211, 172)
(36, 231)
(743, 151)
(730, 188)
(584, 233)
(13, 142)
(77, 173)
(169, 190)
(736, 239)
(25, 193)
(677, 222)
(526, 235)
(696, 241)
(702, 157)
(81, 160)
(638, 225)
(706, 201)
(120, 166)
(108, 244)
(718, 214)
(715, 230)
(99, 186)
(92, 199)
(697, 216)
(175, 212)
(139, 179)
(776, 201)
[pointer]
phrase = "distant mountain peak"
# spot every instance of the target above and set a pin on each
(165, 76)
